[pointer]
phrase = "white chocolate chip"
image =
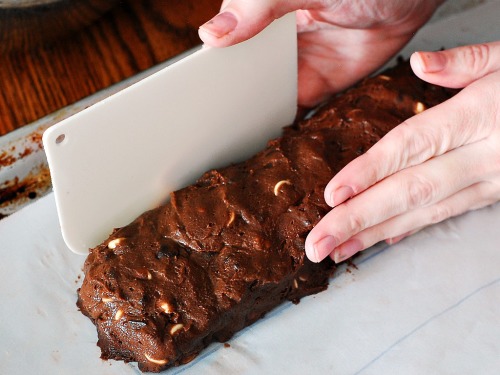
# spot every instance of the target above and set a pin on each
(106, 299)
(157, 361)
(384, 77)
(114, 243)
(302, 278)
(278, 186)
(295, 284)
(418, 107)
(166, 307)
(149, 276)
(232, 216)
(175, 328)
(119, 314)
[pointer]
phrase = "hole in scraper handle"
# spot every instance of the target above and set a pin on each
(60, 139)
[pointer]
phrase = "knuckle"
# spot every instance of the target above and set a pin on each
(389, 149)
(352, 219)
(487, 193)
(377, 233)
(477, 57)
(356, 222)
(439, 212)
(372, 170)
(422, 146)
(420, 192)
(475, 108)
(418, 143)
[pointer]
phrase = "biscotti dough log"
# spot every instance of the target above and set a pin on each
(226, 250)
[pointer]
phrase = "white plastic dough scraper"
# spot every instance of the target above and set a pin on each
(125, 154)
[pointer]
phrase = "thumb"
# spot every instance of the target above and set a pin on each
(240, 20)
(457, 67)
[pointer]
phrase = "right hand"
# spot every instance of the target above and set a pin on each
(437, 164)
(339, 42)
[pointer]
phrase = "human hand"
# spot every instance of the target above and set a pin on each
(339, 42)
(438, 164)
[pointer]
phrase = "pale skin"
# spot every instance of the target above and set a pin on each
(440, 163)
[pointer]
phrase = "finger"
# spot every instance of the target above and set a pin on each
(407, 190)
(239, 20)
(461, 120)
(473, 197)
(457, 67)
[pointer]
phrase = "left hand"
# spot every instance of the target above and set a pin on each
(339, 42)
(438, 164)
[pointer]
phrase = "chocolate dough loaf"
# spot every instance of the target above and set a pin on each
(230, 248)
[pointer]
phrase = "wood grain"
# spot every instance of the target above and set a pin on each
(134, 36)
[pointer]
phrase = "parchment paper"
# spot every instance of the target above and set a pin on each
(430, 304)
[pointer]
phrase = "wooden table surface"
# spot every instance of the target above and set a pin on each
(134, 36)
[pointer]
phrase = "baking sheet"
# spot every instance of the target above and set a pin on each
(429, 304)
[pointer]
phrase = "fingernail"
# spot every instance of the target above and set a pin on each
(222, 24)
(340, 195)
(323, 247)
(431, 62)
(347, 250)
